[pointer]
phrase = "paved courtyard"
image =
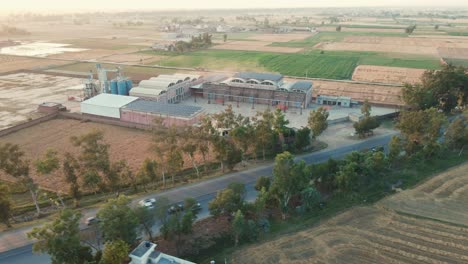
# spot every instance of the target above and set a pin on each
(295, 117)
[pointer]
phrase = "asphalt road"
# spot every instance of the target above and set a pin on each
(205, 191)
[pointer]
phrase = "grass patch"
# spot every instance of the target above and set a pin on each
(452, 33)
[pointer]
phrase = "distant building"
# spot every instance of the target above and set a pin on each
(259, 88)
(163, 47)
(145, 253)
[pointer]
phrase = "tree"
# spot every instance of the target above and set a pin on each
(49, 163)
(347, 178)
(225, 37)
(12, 162)
(233, 155)
(444, 89)
(177, 225)
(279, 122)
(118, 220)
(160, 211)
(420, 128)
(228, 201)
(61, 239)
(263, 182)
(366, 126)
(338, 28)
(238, 226)
(288, 180)
(302, 139)
(175, 162)
(148, 170)
(115, 252)
(243, 136)
(436, 27)
(70, 165)
(264, 133)
(394, 148)
(410, 29)
(146, 219)
(317, 121)
(366, 108)
(5, 205)
(310, 197)
(456, 135)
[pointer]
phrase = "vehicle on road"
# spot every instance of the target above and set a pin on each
(148, 203)
(175, 208)
(92, 220)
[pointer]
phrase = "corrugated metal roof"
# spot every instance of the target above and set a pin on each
(110, 100)
(302, 85)
(259, 76)
(146, 92)
(163, 108)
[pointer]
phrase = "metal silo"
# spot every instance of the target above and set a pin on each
(129, 86)
(113, 87)
(122, 87)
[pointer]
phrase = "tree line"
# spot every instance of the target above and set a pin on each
(91, 169)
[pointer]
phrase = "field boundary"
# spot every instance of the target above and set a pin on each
(27, 124)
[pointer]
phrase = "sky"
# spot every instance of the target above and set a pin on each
(107, 5)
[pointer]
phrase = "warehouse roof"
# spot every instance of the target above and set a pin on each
(259, 76)
(302, 85)
(146, 92)
(110, 100)
(163, 108)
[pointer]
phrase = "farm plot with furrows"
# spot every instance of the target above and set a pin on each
(444, 197)
(330, 67)
(365, 235)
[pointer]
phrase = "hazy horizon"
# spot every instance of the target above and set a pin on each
(118, 5)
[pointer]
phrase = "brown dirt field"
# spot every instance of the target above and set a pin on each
(125, 143)
(84, 55)
(131, 58)
(255, 46)
(380, 30)
(280, 37)
(14, 63)
(382, 74)
(454, 53)
(423, 46)
(365, 235)
(378, 94)
(443, 197)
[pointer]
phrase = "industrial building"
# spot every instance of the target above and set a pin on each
(131, 109)
(259, 88)
(146, 253)
(334, 100)
(166, 88)
(106, 105)
(145, 112)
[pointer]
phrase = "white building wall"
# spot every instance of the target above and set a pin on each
(100, 110)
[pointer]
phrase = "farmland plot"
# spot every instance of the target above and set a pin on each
(444, 197)
(365, 235)
(381, 74)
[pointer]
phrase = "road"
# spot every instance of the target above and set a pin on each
(203, 191)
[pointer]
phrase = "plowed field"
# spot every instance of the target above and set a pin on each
(381, 74)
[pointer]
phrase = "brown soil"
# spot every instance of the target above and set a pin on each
(14, 63)
(382, 74)
(125, 143)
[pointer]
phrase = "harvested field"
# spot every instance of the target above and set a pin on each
(454, 53)
(254, 46)
(381, 74)
(23, 92)
(365, 235)
(132, 58)
(443, 197)
(377, 94)
(14, 63)
(281, 37)
(414, 45)
(125, 143)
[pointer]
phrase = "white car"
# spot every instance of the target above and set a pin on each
(148, 203)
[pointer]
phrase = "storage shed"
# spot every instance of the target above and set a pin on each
(107, 105)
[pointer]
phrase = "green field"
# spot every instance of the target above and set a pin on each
(332, 37)
(330, 64)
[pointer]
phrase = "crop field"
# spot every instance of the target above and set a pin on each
(454, 53)
(365, 235)
(381, 74)
(412, 45)
(458, 62)
(444, 197)
(254, 46)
